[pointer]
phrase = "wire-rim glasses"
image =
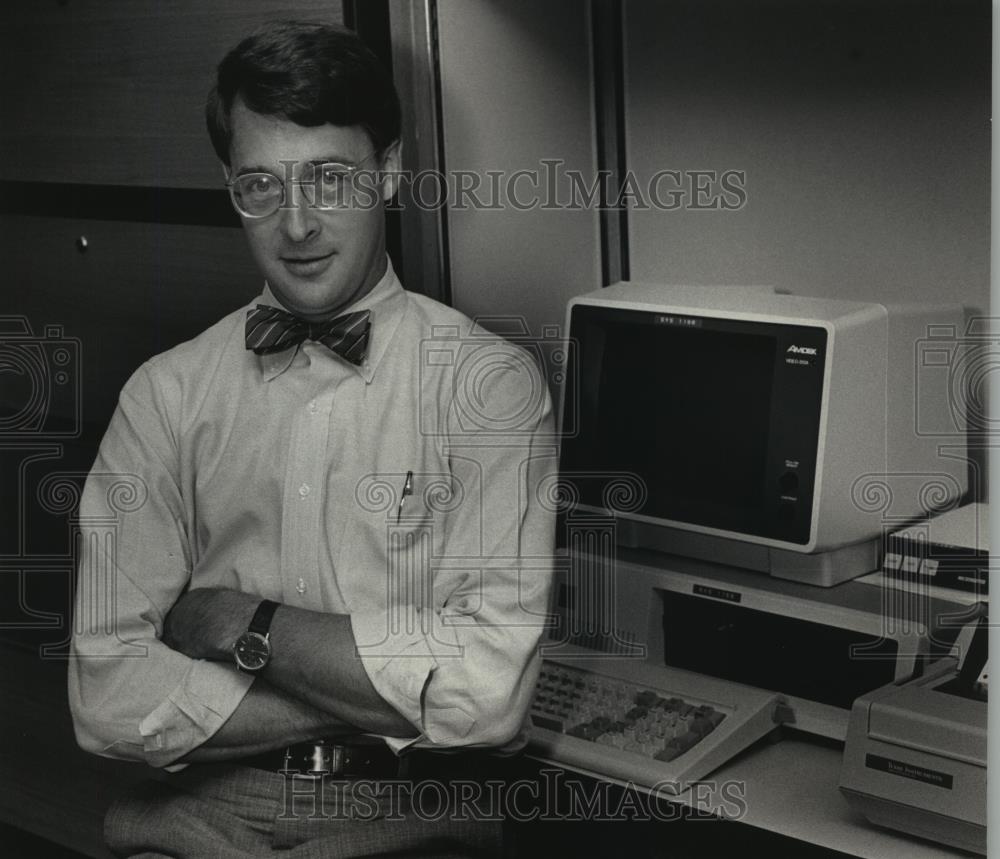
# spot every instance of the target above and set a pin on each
(325, 185)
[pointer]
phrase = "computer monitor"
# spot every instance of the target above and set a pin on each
(770, 431)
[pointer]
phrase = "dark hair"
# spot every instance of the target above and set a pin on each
(308, 73)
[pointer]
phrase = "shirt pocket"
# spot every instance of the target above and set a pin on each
(407, 501)
(400, 530)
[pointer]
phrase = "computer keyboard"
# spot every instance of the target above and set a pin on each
(651, 726)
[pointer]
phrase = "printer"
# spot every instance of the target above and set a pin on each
(915, 757)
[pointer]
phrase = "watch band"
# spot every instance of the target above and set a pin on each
(261, 621)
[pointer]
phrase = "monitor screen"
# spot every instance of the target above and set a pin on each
(688, 405)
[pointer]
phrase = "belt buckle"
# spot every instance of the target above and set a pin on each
(322, 760)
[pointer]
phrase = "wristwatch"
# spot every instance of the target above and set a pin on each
(252, 650)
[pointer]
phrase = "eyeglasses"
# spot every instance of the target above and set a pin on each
(329, 185)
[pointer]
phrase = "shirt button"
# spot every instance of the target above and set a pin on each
(304, 490)
(301, 586)
(312, 406)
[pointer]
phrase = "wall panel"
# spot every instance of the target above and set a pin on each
(113, 91)
(863, 129)
(137, 290)
(515, 91)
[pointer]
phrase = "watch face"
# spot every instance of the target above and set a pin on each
(252, 651)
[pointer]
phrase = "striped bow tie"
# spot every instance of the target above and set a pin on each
(271, 330)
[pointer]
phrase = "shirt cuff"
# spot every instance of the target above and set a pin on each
(204, 699)
(401, 666)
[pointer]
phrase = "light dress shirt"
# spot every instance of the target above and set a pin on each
(283, 476)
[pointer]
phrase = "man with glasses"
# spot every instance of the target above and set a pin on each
(330, 571)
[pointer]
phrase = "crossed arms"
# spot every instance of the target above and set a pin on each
(153, 678)
(302, 695)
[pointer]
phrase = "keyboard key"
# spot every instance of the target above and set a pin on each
(668, 753)
(547, 722)
(701, 726)
(586, 732)
(687, 741)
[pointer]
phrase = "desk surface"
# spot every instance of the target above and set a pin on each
(791, 789)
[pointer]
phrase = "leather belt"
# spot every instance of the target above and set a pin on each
(319, 758)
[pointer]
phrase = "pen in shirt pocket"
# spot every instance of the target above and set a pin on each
(407, 490)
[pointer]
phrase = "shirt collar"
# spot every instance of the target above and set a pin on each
(386, 303)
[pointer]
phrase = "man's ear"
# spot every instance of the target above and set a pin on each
(225, 170)
(392, 165)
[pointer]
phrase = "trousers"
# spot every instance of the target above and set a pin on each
(226, 811)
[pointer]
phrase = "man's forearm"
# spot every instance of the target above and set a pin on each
(313, 658)
(266, 719)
